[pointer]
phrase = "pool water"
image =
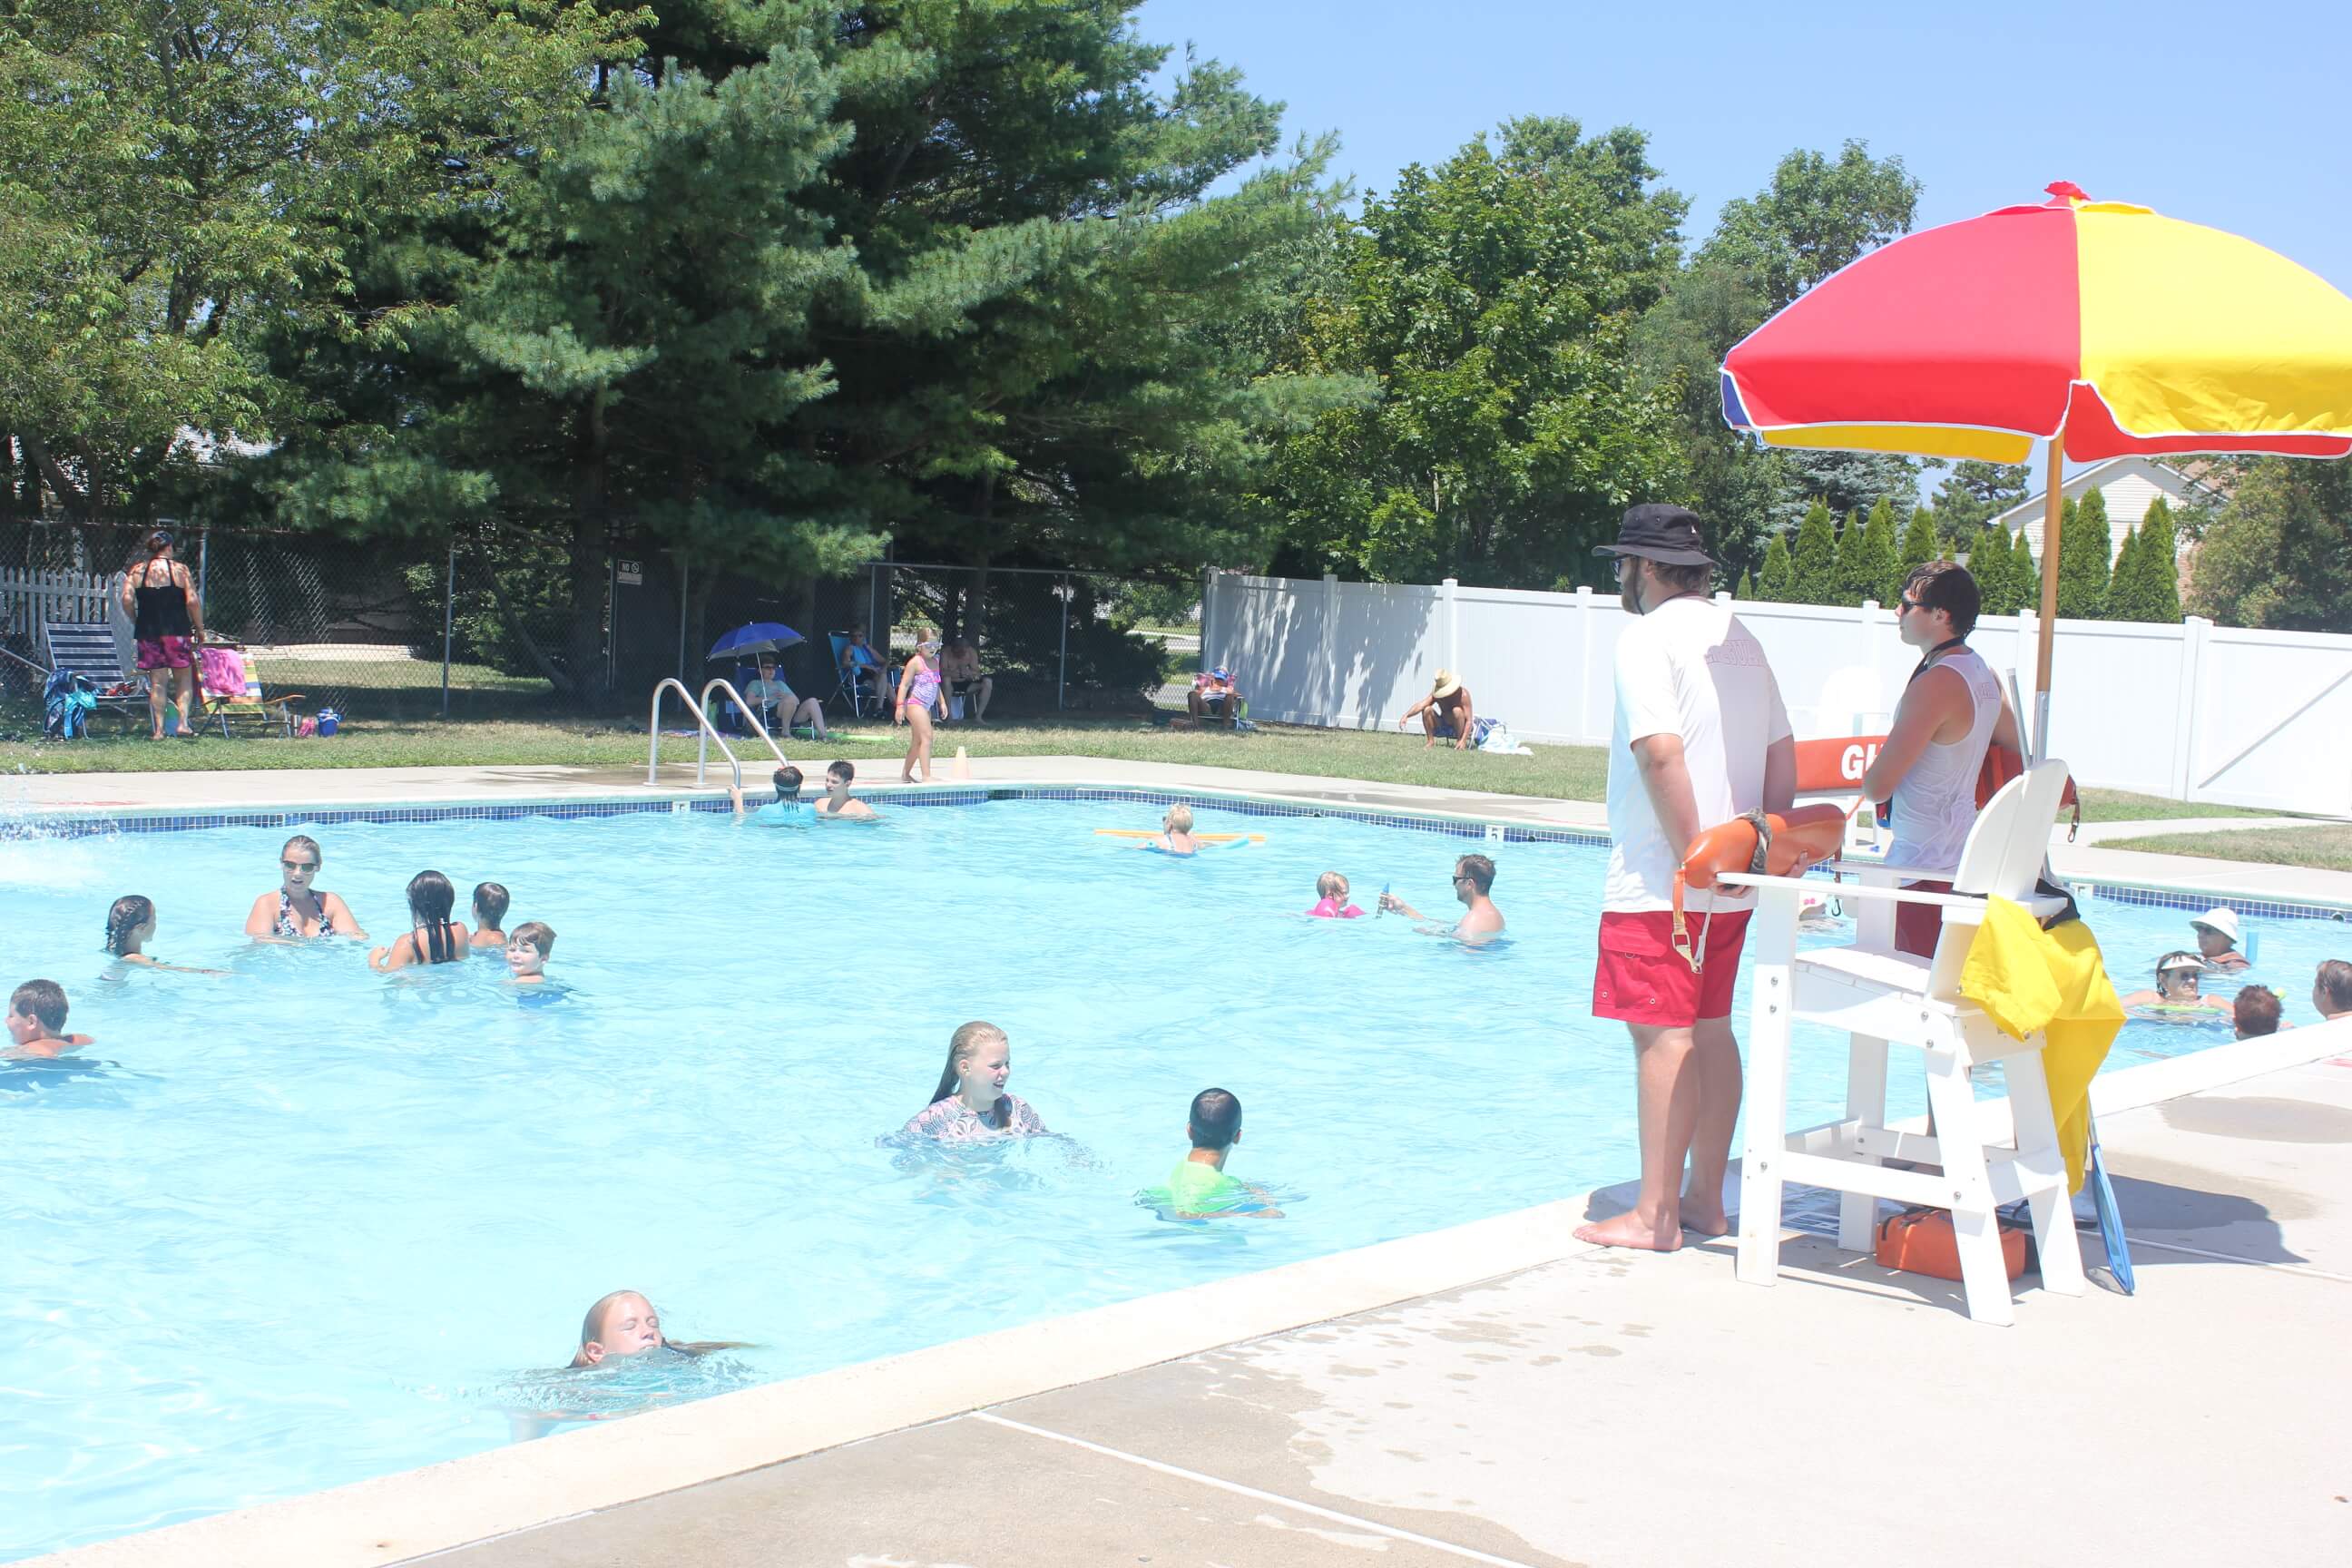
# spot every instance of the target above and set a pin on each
(305, 1223)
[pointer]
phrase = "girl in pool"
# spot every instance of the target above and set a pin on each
(625, 1324)
(1332, 899)
(130, 926)
(298, 910)
(2175, 988)
(918, 693)
(490, 901)
(432, 936)
(970, 1103)
(1175, 836)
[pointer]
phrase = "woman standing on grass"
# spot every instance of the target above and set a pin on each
(160, 597)
(918, 693)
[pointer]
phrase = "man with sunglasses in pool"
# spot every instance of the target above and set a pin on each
(1481, 922)
(1950, 715)
(1700, 737)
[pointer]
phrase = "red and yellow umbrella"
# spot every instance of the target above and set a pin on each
(2099, 327)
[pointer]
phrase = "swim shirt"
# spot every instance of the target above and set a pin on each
(1197, 1188)
(1687, 668)
(950, 1121)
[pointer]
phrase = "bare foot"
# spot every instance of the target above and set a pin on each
(1710, 1222)
(1629, 1229)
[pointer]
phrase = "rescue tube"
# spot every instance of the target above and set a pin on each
(1792, 841)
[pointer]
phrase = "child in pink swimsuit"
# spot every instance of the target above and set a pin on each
(1331, 893)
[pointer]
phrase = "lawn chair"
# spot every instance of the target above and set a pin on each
(852, 689)
(1881, 997)
(275, 710)
(89, 649)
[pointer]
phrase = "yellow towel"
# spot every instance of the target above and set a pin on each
(2025, 979)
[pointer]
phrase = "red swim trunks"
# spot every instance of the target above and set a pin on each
(166, 653)
(1918, 927)
(1642, 980)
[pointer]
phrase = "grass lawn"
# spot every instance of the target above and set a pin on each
(2122, 805)
(2322, 849)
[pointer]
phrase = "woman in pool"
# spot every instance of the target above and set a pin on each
(130, 926)
(298, 910)
(918, 693)
(2175, 988)
(969, 1103)
(1175, 836)
(432, 936)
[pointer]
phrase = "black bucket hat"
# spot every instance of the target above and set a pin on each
(1663, 532)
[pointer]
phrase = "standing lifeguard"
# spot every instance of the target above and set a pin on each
(1701, 737)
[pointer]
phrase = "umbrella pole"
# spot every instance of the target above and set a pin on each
(2054, 502)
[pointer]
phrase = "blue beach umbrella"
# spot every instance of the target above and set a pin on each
(755, 637)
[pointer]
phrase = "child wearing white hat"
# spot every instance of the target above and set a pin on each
(2217, 940)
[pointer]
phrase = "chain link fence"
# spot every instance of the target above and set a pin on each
(1051, 640)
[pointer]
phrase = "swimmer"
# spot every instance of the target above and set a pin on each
(298, 910)
(837, 806)
(2256, 1013)
(1198, 1188)
(625, 1324)
(2217, 940)
(1175, 835)
(130, 926)
(36, 1021)
(432, 936)
(970, 1102)
(785, 808)
(2331, 990)
(490, 901)
(2175, 987)
(527, 951)
(1331, 899)
(1481, 922)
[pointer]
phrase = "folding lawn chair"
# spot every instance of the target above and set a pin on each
(852, 689)
(274, 710)
(89, 649)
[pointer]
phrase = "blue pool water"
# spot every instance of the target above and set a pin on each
(304, 1223)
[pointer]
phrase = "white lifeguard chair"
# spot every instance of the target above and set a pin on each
(1880, 997)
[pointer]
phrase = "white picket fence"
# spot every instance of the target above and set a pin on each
(2194, 711)
(30, 600)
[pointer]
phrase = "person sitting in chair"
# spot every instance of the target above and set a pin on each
(1214, 693)
(780, 710)
(863, 671)
(960, 665)
(1444, 713)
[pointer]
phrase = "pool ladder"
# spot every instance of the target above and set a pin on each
(708, 733)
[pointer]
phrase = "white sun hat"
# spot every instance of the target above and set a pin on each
(2223, 921)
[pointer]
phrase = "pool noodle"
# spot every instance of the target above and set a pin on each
(1203, 837)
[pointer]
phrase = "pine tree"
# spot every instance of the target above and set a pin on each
(1919, 547)
(2085, 556)
(1776, 584)
(1851, 581)
(2025, 572)
(2124, 587)
(1744, 591)
(1815, 560)
(1882, 556)
(2159, 564)
(1989, 563)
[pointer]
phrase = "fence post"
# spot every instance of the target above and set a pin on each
(1062, 680)
(1452, 626)
(448, 625)
(1329, 666)
(203, 559)
(2193, 629)
(685, 581)
(1583, 663)
(1208, 610)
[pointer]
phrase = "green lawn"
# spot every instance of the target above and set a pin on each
(2323, 849)
(2121, 806)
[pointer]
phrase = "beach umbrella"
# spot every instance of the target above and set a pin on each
(755, 637)
(2101, 328)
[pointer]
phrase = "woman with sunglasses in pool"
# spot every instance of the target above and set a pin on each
(298, 910)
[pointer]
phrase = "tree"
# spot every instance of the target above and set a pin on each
(1920, 546)
(2123, 584)
(1815, 217)
(1882, 556)
(1814, 560)
(2158, 584)
(1992, 562)
(2085, 549)
(1493, 299)
(2279, 553)
(1973, 493)
(1776, 584)
(2025, 573)
(1745, 590)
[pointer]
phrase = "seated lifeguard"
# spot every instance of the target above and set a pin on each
(1212, 693)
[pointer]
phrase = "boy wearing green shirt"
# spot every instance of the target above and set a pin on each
(1198, 1188)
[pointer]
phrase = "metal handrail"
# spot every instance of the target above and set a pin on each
(719, 683)
(703, 751)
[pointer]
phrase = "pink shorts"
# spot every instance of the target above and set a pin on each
(165, 653)
(1642, 980)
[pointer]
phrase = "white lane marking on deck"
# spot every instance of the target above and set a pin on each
(2233, 1257)
(1240, 1490)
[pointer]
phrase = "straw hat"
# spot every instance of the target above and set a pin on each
(1447, 684)
(2223, 921)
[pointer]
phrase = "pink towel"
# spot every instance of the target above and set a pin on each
(223, 672)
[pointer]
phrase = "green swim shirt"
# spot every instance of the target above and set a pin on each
(1195, 1188)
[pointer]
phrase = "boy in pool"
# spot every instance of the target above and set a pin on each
(785, 808)
(1198, 1188)
(2256, 1013)
(491, 901)
(837, 806)
(528, 949)
(1332, 899)
(36, 1021)
(2175, 987)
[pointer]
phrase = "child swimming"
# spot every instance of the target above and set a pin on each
(785, 808)
(1332, 899)
(130, 925)
(1198, 1188)
(36, 1021)
(970, 1102)
(837, 806)
(490, 901)
(432, 936)
(1175, 835)
(625, 1324)
(527, 953)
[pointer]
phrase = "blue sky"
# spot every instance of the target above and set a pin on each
(2245, 125)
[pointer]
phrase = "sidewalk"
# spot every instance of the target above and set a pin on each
(1627, 1410)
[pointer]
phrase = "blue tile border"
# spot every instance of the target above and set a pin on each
(81, 824)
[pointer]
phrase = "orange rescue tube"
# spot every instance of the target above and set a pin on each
(1800, 836)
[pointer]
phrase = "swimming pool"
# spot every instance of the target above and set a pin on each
(306, 1224)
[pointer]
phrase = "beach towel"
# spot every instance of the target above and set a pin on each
(2025, 979)
(221, 672)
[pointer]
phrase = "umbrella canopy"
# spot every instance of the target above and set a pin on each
(2103, 327)
(755, 637)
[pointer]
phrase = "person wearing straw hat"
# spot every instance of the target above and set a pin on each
(1700, 737)
(1445, 714)
(2217, 941)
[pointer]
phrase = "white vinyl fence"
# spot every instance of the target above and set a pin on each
(2195, 711)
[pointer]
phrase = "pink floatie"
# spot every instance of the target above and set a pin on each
(1329, 910)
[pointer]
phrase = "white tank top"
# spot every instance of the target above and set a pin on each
(1936, 804)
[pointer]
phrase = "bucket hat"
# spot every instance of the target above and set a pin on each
(1663, 532)
(2222, 920)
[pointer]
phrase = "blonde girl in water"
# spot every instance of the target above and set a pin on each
(970, 1102)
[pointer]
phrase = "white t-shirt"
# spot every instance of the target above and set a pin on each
(1689, 668)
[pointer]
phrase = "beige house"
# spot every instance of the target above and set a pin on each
(2128, 485)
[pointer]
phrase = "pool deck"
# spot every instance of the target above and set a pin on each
(1496, 1393)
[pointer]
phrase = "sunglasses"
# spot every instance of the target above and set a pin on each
(1906, 604)
(299, 865)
